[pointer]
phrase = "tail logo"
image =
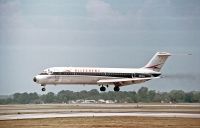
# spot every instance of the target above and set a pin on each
(155, 66)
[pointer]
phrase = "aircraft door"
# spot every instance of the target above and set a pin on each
(56, 76)
(133, 75)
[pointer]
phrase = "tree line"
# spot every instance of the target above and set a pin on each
(142, 95)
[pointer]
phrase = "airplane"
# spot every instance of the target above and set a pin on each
(103, 76)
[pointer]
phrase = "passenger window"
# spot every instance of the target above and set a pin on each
(141, 76)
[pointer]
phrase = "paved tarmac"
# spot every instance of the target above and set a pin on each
(91, 114)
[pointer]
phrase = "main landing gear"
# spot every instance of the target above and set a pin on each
(116, 88)
(43, 87)
(102, 88)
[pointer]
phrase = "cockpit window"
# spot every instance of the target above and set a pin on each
(43, 73)
(47, 71)
(50, 72)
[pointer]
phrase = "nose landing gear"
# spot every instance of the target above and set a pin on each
(43, 87)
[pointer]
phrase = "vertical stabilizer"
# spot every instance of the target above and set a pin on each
(157, 61)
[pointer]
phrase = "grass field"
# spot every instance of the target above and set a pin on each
(103, 122)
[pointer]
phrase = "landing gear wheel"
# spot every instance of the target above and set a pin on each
(116, 89)
(43, 89)
(102, 88)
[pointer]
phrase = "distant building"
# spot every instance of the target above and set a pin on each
(89, 101)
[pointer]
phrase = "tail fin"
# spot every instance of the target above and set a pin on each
(157, 61)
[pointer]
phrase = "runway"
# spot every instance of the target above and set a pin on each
(91, 114)
(39, 111)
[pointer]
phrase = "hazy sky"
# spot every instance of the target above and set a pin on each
(37, 34)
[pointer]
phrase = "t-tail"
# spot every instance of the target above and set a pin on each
(157, 61)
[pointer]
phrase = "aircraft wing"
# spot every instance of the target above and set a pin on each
(124, 81)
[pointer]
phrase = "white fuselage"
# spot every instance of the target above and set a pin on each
(89, 75)
(103, 76)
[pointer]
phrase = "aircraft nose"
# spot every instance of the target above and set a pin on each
(34, 79)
